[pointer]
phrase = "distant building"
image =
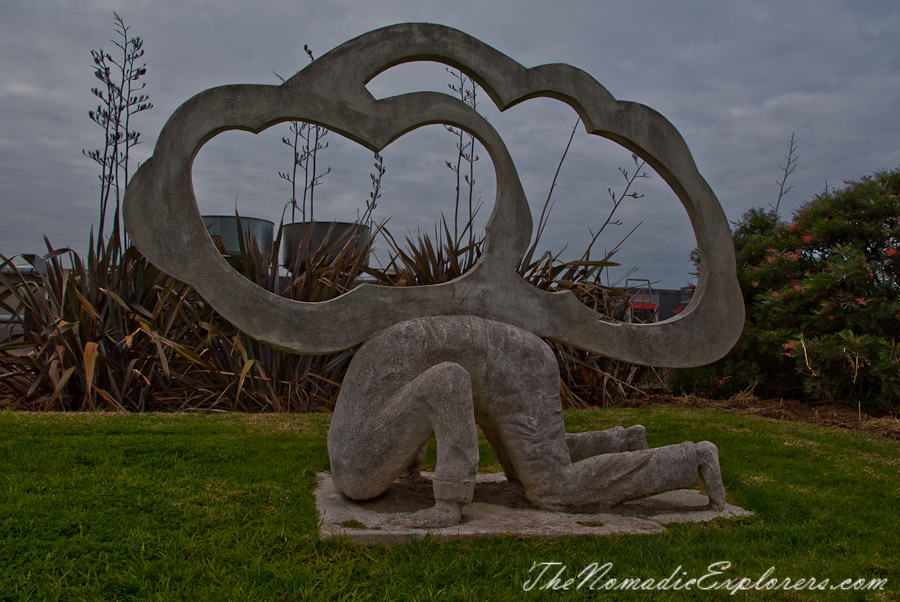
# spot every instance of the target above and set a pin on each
(646, 304)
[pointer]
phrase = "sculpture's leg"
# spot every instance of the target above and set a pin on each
(529, 424)
(605, 480)
(493, 439)
(375, 439)
(611, 441)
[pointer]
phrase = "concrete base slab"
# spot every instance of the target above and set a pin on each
(500, 508)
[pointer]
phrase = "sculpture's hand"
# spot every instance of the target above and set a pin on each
(443, 514)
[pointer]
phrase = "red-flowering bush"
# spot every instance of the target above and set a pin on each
(823, 301)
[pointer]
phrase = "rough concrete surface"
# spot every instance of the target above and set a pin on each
(500, 508)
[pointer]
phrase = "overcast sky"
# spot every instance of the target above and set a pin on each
(735, 77)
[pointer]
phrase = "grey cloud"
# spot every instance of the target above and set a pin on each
(736, 78)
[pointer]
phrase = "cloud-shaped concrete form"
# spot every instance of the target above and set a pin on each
(163, 220)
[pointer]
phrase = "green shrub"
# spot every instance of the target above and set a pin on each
(823, 301)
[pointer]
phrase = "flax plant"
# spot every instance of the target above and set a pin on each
(118, 334)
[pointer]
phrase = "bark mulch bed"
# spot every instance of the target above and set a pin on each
(828, 414)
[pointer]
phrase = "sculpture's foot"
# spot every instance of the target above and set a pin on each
(442, 514)
(711, 473)
(636, 438)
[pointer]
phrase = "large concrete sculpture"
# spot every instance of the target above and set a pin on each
(444, 358)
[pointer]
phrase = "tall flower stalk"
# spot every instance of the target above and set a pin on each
(306, 141)
(120, 100)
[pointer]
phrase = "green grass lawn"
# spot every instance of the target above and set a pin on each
(220, 507)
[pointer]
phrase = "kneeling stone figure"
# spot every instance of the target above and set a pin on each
(445, 375)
